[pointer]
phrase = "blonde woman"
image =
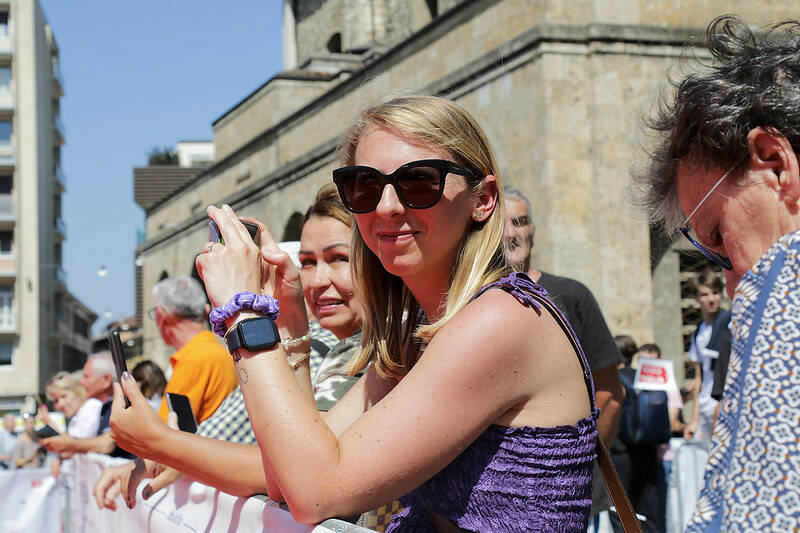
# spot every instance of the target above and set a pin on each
(474, 407)
(69, 397)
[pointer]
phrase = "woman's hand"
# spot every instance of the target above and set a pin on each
(137, 428)
(233, 267)
(280, 279)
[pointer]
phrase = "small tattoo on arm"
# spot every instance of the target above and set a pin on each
(243, 376)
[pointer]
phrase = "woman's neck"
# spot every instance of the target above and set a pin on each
(431, 296)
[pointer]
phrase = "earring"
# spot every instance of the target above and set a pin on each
(477, 216)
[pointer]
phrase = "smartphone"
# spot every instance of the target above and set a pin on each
(115, 345)
(214, 234)
(183, 408)
(46, 432)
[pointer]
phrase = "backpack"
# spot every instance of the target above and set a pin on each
(645, 415)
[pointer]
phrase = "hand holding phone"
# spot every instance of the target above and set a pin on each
(183, 408)
(214, 234)
(118, 355)
(46, 432)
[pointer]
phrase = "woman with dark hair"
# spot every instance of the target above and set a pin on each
(151, 380)
(726, 174)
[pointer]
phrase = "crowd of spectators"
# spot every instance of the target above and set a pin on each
(411, 400)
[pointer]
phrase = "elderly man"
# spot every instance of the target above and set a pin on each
(583, 313)
(728, 164)
(97, 379)
(202, 368)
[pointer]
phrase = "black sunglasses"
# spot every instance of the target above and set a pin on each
(419, 184)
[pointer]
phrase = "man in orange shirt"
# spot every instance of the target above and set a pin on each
(202, 368)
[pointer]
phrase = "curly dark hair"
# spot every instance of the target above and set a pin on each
(752, 80)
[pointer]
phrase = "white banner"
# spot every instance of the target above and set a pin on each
(655, 374)
(183, 506)
(30, 501)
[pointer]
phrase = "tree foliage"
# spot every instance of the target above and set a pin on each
(163, 155)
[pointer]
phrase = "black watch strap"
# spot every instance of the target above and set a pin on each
(253, 334)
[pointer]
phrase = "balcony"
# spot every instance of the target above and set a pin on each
(6, 101)
(61, 228)
(58, 81)
(8, 268)
(60, 179)
(7, 158)
(7, 209)
(61, 276)
(58, 128)
(6, 43)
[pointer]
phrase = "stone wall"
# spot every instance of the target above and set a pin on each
(559, 87)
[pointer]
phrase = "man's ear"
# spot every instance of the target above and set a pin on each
(486, 199)
(773, 157)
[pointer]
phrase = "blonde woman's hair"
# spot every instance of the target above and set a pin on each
(64, 381)
(388, 342)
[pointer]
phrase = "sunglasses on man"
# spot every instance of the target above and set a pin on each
(419, 184)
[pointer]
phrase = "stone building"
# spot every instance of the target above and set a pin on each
(559, 86)
(43, 328)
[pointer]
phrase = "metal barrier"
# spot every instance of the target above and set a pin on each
(183, 506)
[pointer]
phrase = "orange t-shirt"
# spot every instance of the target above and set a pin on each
(202, 370)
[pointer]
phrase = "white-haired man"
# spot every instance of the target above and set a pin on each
(97, 379)
(202, 368)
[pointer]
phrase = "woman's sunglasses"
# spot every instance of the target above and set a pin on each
(418, 184)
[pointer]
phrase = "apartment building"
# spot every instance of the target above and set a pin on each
(43, 328)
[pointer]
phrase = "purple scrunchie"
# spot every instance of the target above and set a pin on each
(266, 305)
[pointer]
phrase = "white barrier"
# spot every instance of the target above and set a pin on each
(183, 506)
(29, 501)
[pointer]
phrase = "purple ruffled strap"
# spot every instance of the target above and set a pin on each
(266, 305)
(520, 286)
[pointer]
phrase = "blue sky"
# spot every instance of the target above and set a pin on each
(138, 75)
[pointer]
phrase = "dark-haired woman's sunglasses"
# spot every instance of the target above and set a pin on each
(418, 184)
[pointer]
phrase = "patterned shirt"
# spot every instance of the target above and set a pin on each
(331, 383)
(321, 342)
(752, 478)
(229, 422)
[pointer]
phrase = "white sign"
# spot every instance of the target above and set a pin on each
(655, 374)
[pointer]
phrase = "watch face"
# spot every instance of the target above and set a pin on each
(259, 333)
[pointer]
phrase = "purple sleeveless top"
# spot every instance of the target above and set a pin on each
(513, 478)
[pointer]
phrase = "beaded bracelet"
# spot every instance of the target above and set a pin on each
(294, 341)
(266, 305)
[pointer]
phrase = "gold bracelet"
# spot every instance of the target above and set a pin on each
(294, 341)
(296, 360)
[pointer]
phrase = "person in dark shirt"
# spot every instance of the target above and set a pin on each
(581, 309)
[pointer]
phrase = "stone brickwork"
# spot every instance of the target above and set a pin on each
(559, 86)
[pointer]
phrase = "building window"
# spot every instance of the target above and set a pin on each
(6, 242)
(6, 183)
(6, 349)
(3, 23)
(5, 132)
(335, 43)
(5, 79)
(7, 308)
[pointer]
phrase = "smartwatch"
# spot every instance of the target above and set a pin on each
(253, 334)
